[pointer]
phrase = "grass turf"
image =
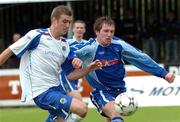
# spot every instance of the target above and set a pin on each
(147, 114)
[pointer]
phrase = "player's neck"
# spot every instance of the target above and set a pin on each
(54, 33)
(78, 38)
(101, 43)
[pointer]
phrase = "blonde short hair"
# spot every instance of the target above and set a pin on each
(60, 10)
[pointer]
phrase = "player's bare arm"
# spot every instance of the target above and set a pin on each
(4, 56)
(79, 73)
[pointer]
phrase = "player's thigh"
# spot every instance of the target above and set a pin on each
(102, 101)
(78, 107)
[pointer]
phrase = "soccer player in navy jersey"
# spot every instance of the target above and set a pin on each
(79, 29)
(108, 82)
(42, 52)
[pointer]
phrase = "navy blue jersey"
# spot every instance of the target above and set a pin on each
(112, 57)
(75, 46)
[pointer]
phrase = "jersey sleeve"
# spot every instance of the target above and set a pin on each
(67, 66)
(84, 49)
(71, 54)
(141, 60)
(25, 43)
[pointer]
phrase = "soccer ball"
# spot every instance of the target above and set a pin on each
(125, 104)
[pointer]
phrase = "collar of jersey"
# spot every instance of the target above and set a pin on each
(74, 38)
(59, 39)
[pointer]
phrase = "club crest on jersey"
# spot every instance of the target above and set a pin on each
(62, 100)
(49, 38)
(64, 48)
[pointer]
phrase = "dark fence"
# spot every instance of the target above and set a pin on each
(23, 17)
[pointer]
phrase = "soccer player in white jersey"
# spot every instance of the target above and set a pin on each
(43, 52)
(108, 82)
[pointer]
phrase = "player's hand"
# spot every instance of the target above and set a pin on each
(77, 63)
(94, 65)
(170, 77)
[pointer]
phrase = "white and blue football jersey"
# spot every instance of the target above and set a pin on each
(41, 58)
(112, 57)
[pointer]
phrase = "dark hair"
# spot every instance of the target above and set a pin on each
(60, 10)
(101, 21)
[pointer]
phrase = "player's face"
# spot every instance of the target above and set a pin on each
(104, 36)
(79, 30)
(63, 24)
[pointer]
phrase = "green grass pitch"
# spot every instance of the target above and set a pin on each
(146, 114)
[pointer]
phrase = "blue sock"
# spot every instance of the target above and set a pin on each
(117, 119)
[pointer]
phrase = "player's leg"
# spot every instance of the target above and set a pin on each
(58, 104)
(75, 94)
(59, 120)
(55, 102)
(73, 117)
(54, 118)
(75, 106)
(109, 110)
(79, 110)
(104, 102)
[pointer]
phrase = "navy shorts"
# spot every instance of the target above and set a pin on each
(101, 97)
(55, 101)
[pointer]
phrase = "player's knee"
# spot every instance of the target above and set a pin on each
(109, 110)
(83, 110)
(79, 108)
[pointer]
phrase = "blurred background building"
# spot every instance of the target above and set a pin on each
(150, 25)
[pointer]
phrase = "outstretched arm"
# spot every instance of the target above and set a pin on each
(4, 56)
(79, 73)
(144, 62)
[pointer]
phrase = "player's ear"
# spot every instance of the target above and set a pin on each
(54, 20)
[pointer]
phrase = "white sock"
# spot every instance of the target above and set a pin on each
(73, 118)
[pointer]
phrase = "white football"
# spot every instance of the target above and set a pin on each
(126, 104)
